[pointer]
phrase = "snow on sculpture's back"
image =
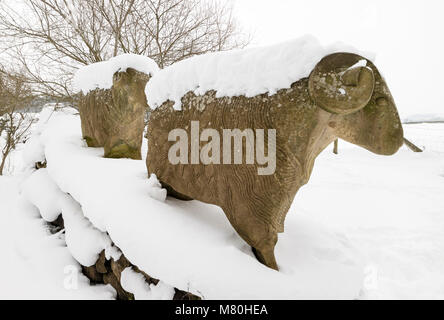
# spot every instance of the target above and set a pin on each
(247, 72)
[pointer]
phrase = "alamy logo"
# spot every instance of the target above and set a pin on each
(225, 150)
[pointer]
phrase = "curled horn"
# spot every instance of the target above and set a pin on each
(341, 83)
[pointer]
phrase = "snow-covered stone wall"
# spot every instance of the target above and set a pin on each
(100, 259)
(122, 229)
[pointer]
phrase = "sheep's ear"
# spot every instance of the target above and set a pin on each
(337, 86)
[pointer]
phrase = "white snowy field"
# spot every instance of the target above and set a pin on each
(365, 226)
(391, 209)
(427, 136)
(34, 263)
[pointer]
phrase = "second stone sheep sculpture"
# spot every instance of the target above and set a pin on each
(114, 118)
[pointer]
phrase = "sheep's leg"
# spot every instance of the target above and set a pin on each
(259, 235)
(265, 253)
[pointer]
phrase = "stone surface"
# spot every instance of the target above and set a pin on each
(93, 275)
(307, 118)
(57, 225)
(101, 264)
(118, 266)
(111, 279)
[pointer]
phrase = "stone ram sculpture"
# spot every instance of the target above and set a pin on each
(341, 98)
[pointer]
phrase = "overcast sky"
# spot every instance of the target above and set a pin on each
(407, 37)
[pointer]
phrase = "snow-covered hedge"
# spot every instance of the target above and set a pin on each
(424, 118)
(188, 245)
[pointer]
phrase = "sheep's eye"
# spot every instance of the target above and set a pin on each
(382, 102)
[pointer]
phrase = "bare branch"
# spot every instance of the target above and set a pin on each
(50, 39)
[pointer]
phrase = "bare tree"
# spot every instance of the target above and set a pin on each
(15, 121)
(50, 39)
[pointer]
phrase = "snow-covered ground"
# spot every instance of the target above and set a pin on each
(34, 263)
(365, 226)
(424, 117)
(391, 209)
(427, 136)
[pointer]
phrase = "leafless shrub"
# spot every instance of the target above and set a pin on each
(15, 121)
